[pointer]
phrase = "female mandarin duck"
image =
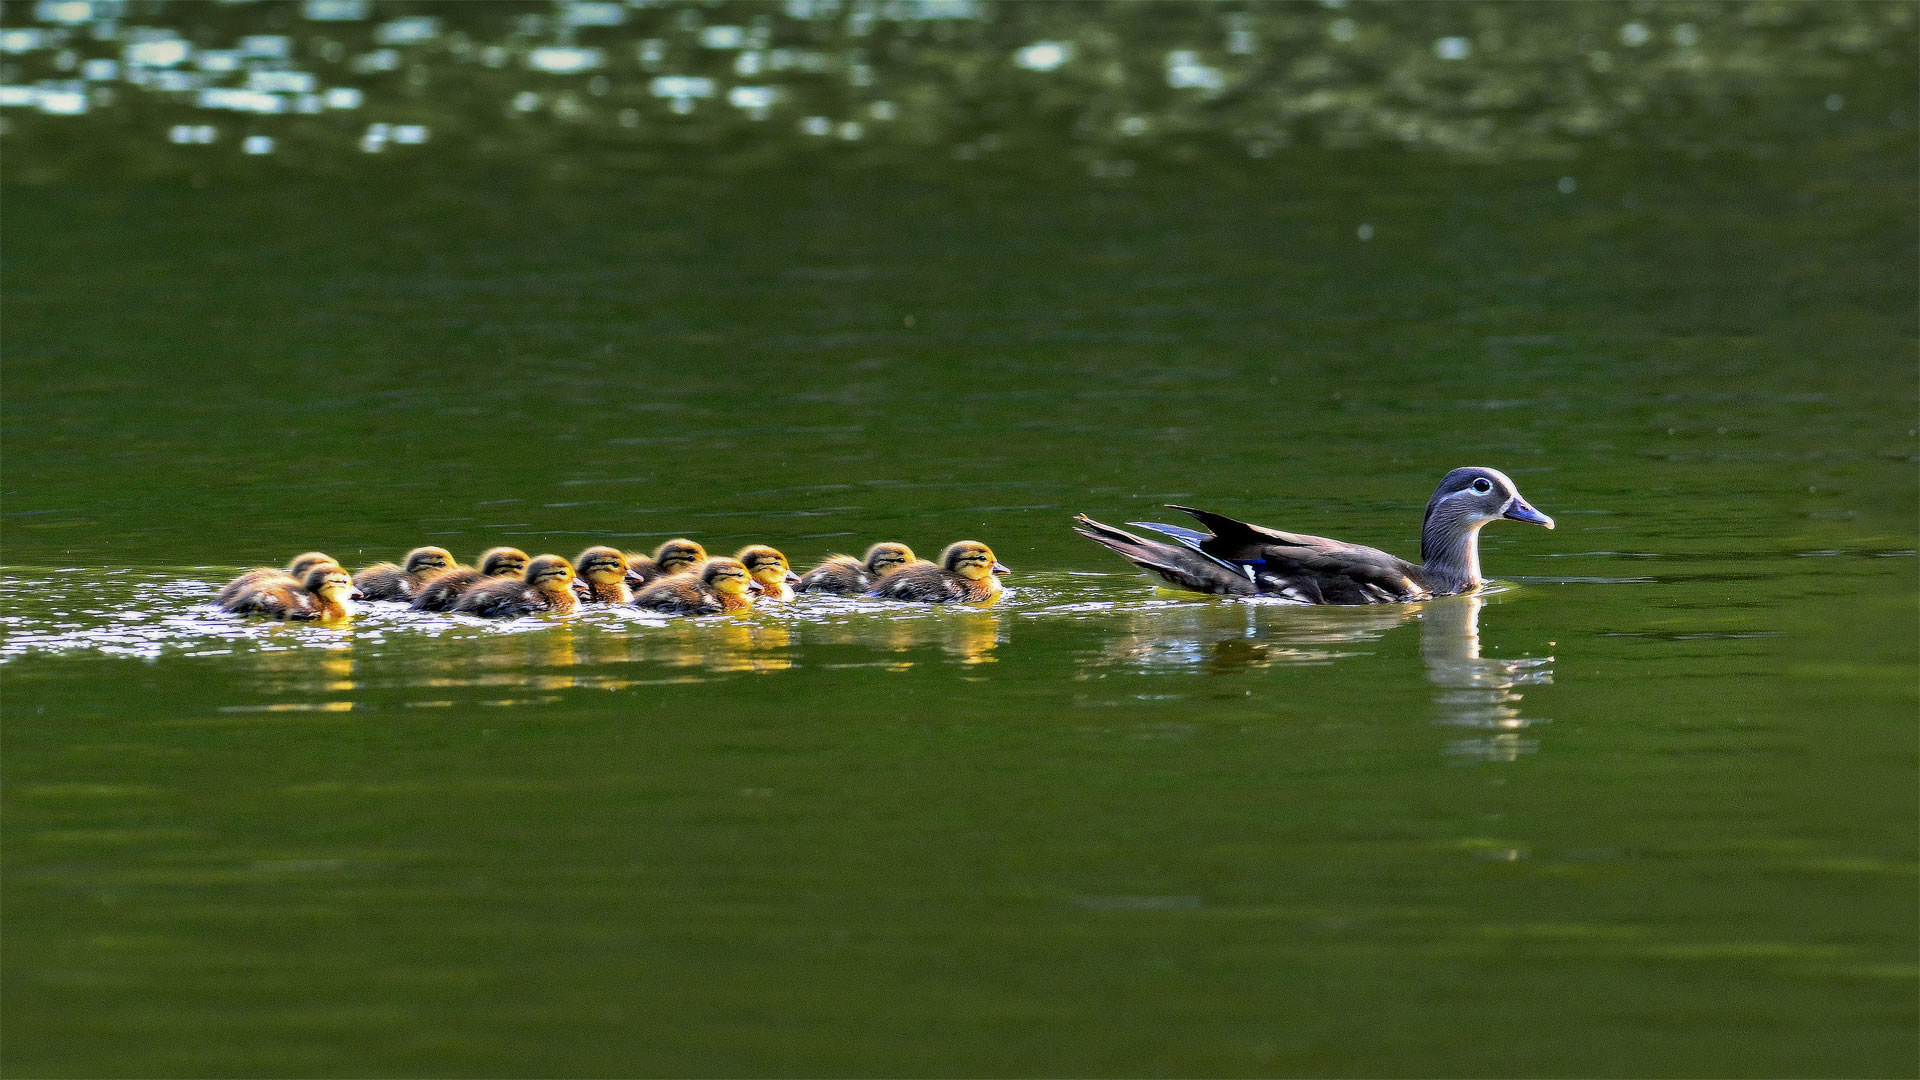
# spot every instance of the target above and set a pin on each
(385, 581)
(444, 591)
(723, 586)
(673, 557)
(603, 573)
(844, 575)
(1238, 559)
(292, 577)
(546, 586)
(770, 570)
(325, 593)
(968, 572)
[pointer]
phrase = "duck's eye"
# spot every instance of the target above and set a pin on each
(1482, 486)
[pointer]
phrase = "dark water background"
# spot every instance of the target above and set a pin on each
(1646, 808)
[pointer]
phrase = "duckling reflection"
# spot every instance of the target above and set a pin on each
(967, 635)
(319, 679)
(720, 646)
(1222, 638)
(1474, 692)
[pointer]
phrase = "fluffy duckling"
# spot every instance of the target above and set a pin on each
(723, 586)
(325, 593)
(295, 574)
(547, 585)
(603, 571)
(385, 581)
(844, 575)
(444, 591)
(968, 572)
(673, 557)
(770, 570)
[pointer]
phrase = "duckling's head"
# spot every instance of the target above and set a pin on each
(1469, 498)
(728, 577)
(428, 560)
(503, 562)
(550, 573)
(884, 559)
(971, 559)
(604, 565)
(677, 555)
(329, 581)
(767, 566)
(303, 563)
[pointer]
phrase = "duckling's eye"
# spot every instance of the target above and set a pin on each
(1482, 486)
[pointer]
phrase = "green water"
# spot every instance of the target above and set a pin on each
(1647, 808)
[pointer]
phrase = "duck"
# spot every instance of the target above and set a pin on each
(325, 593)
(844, 575)
(601, 575)
(1238, 559)
(545, 586)
(769, 568)
(721, 587)
(444, 591)
(676, 556)
(295, 574)
(385, 581)
(967, 572)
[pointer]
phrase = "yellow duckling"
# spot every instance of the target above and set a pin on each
(295, 574)
(547, 586)
(325, 593)
(722, 586)
(844, 575)
(968, 572)
(385, 581)
(769, 568)
(673, 557)
(444, 591)
(603, 571)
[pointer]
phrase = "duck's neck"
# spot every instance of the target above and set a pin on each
(1450, 552)
(610, 592)
(327, 608)
(561, 601)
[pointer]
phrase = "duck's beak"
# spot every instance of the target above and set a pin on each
(1000, 569)
(792, 578)
(754, 586)
(1519, 509)
(356, 594)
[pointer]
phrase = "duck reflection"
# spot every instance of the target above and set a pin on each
(1474, 692)
(729, 645)
(966, 635)
(1220, 638)
(320, 675)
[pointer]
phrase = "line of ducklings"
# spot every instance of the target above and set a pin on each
(679, 578)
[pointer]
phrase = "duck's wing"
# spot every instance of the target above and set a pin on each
(1184, 565)
(1310, 568)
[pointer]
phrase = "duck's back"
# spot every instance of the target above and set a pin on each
(383, 581)
(679, 595)
(1314, 569)
(443, 592)
(498, 599)
(280, 600)
(251, 580)
(840, 575)
(924, 582)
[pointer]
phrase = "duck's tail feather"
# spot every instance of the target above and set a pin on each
(1181, 567)
(1190, 537)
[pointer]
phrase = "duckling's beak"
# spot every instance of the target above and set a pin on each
(356, 594)
(1519, 509)
(999, 569)
(580, 589)
(791, 578)
(754, 586)
(635, 578)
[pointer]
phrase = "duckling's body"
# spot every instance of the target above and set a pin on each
(385, 581)
(722, 587)
(769, 569)
(545, 587)
(325, 593)
(601, 574)
(844, 575)
(295, 574)
(968, 573)
(444, 591)
(1238, 559)
(676, 556)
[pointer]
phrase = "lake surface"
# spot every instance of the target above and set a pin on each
(1646, 807)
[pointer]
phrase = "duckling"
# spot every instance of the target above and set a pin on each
(844, 575)
(325, 593)
(546, 586)
(673, 557)
(295, 573)
(1238, 559)
(444, 591)
(968, 572)
(722, 586)
(769, 568)
(603, 570)
(385, 581)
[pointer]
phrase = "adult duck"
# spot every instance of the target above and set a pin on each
(1238, 559)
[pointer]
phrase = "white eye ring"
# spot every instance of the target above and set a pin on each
(1482, 486)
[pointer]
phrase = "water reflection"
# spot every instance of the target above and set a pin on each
(1219, 638)
(1474, 692)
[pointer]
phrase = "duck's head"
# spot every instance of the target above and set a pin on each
(1469, 498)
(677, 555)
(550, 573)
(428, 561)
(503, 562)
(971, 559)
(767, 566)
(329, 581)
(602, 565)
(884, 559)
(728, 577)
(303, 563)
